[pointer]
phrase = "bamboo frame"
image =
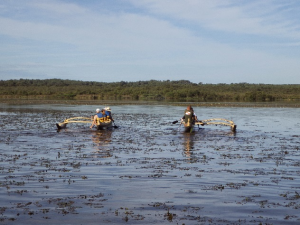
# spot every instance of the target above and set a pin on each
(76, 120)
(218, 121)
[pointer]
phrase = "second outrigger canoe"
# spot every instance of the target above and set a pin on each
(188, 126)
(100, 126)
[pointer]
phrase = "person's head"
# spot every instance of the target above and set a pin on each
(189, 107)
(107, 109)
(97, 110)
(103, 111)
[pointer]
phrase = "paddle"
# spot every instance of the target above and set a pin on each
(115, 125)
(176, 121)
(179, 125)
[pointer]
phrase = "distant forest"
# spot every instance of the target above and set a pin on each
(181, 90)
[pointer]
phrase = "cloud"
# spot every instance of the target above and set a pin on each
(197, 40)
(256, 17)
(160, 29)
(115, 30)
(56, 8)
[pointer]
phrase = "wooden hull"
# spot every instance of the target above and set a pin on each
(188, 128)
(104, 125)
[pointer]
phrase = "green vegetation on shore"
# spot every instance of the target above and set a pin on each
(181, 90)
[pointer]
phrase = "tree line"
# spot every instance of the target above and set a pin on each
(180, 90)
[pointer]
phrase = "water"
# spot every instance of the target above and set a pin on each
(148, 171)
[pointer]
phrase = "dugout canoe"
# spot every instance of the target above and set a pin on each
(101, 126)
(105, 125)
(189, 126)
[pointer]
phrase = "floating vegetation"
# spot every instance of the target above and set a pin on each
(146, 171)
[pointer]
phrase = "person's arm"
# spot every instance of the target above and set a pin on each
(94, 121)
(111, 118)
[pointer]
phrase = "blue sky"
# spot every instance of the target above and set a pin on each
(208, 41)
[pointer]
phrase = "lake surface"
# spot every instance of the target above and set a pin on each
(148, 171)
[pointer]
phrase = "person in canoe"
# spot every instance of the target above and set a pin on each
(189, 116)
(108, 113)
(195, 116)
(100, 115)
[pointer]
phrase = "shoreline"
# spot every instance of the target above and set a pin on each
(275, 104)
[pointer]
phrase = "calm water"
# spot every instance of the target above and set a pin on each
(148, 171)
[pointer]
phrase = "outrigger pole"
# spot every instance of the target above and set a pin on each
(217, 121)
(73, 120)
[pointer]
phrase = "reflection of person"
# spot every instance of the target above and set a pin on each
(102, 144)
(189, 147)
(108, 113)
(100, 116)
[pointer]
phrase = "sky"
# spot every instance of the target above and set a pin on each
(207, 41)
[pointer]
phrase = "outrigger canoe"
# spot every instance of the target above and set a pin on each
(188, 126)
(100, 126)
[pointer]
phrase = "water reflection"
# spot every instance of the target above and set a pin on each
(102, 140)
(71, 176)
(189, 146)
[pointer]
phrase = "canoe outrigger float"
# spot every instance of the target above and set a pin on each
(100, 125)
(188, 126)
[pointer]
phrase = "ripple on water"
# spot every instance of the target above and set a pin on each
(148, 170)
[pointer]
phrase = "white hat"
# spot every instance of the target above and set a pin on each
(97, 110)
(107, 109)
